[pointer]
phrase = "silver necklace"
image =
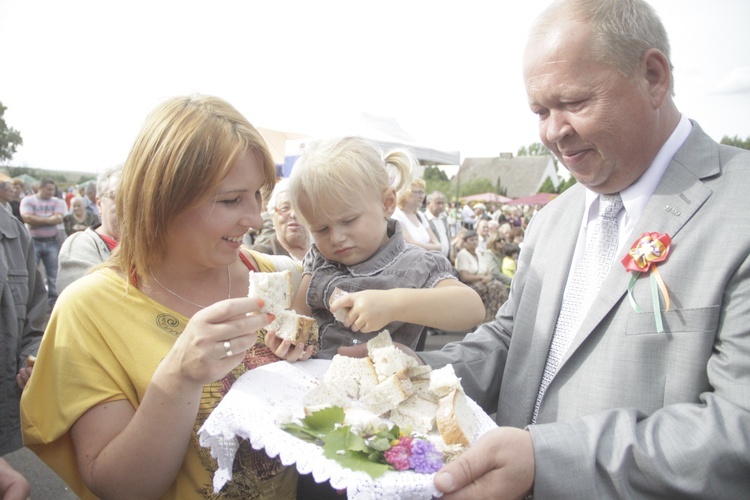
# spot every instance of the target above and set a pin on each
(229, 289)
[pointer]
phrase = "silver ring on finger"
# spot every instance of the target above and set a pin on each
(228, 349)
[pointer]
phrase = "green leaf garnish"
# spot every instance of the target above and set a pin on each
(335, 448)
(303, 433)
(325, 420)
(339, 443)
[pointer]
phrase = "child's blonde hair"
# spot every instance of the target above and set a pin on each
(329, 171)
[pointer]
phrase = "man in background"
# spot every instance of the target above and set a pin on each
(436, 218)
(7, 193)
(43, 212)
(90, 197)
(23, 303)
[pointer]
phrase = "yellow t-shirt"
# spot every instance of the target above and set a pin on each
(103, 343)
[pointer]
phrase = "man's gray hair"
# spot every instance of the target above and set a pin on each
(102, 181)
(435, 194)
(624, 29)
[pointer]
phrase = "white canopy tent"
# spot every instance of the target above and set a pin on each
(385, 133)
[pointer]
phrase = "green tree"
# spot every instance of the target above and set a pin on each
(476, 185)
(547, 186)
(566, 184)
(437, 180)
(10, 138)
(736, 141)
(534, 149)
(499, 189)
(432, 173)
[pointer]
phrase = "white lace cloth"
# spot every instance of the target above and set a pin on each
(267, 395)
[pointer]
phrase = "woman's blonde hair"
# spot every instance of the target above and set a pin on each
(498, 236)
(330, 171)
(185, 148)
(404, 194)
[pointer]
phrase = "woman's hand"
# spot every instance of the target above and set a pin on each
(284, 349)
(22, 377)
(13, 486)
(216, 339)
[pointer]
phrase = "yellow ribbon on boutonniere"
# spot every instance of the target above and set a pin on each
(646, 252)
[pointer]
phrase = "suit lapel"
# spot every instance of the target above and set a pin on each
(678, 196)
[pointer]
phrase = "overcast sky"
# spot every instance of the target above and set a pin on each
(79, 77)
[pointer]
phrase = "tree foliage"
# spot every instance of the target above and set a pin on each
(534, 149)
(547, 186)
(10, 138)
(736, 141)
(477, 185)
(566, 184)
(437, 180)
(432, 173)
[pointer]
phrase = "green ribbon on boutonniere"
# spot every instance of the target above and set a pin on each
(646, 252)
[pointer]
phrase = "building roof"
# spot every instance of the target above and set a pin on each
(519, 176)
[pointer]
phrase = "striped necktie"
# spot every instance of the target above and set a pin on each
(601, 251)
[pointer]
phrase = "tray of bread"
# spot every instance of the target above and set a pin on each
(386, 388)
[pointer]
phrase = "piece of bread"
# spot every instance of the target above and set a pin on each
(387, 394)
(419, 372)
(275, 289)
(390, 361)
(455, 420)
(382, 339)
(295, 327)
(352, 376)
(322, 396)
(416, 413)
(30, 360)
(444, 380)
(422, 390)
(339, 315)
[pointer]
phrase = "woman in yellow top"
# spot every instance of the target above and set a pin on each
(138, 353)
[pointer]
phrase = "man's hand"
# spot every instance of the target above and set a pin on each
(499, 465)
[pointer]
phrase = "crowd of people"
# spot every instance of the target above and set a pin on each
(603, 385)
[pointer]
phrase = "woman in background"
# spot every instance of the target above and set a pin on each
(493, 258)
(473, 271)
(289, 238)
(416, 229)
(79, 219)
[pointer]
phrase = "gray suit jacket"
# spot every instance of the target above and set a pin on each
(632, 412)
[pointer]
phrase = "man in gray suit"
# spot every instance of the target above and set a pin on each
(642, 404)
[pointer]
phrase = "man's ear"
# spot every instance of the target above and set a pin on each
(389, 202)
(658, 76)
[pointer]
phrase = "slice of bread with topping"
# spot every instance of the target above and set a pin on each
(277, 291)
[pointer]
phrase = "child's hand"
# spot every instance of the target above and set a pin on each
(369, 310)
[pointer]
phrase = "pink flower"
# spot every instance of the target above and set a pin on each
(398, 454)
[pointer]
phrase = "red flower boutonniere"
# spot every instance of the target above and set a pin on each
(646, 252)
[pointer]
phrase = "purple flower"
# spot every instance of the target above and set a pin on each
(424, 458)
